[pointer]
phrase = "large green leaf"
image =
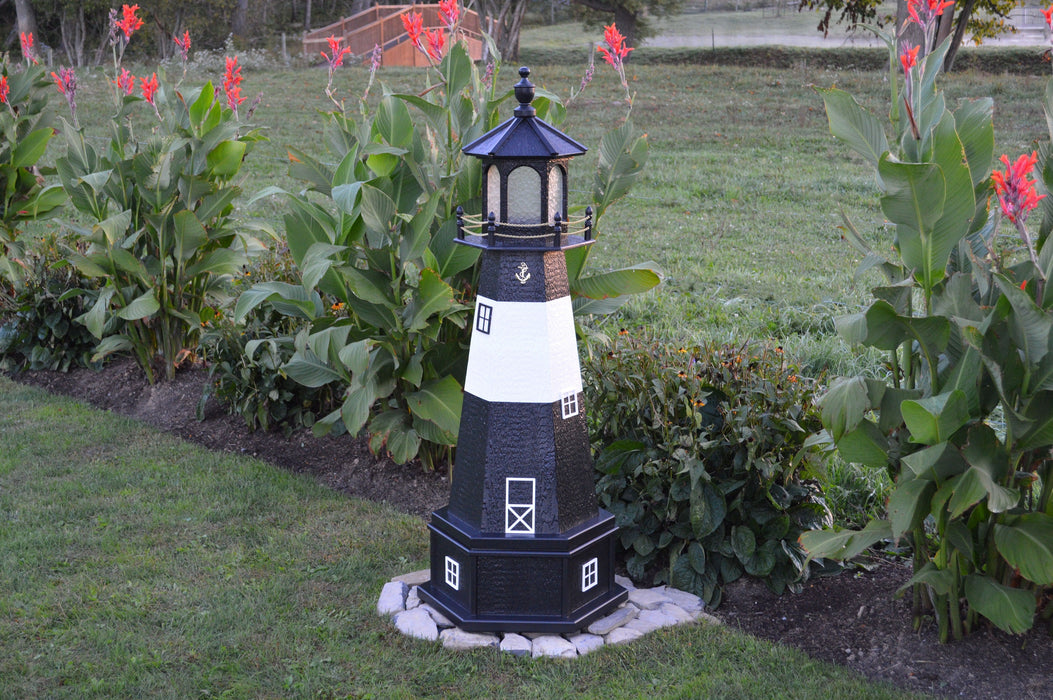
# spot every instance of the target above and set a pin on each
(859, 129)
(909, 504)
(143, 306)
(988, 464)
(225, 159)
(707, 509)
(1031, 327)
(914, 196)
(378, 210)
(844, 544)
(190, 235)
(30, 148)
(934, 419)
(864, 444)
(1010, 609)
(844, 406)
(433, 296)
(317, 262)
(622, 157)
(1027, 544)
(308, 369)
(631, 280)
(975, 126)
(438, 401)
(289, 299)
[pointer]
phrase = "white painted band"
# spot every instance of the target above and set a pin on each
(530, 354)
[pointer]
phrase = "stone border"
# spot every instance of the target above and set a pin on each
(646, 610)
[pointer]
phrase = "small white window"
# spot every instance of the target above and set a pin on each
(590, 574)
(453, 574)
(482, 318)
(569, 403)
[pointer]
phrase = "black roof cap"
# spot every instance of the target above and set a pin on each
(524, 135)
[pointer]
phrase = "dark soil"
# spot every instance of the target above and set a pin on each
(853, 619)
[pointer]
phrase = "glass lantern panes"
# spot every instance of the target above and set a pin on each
(524, 196)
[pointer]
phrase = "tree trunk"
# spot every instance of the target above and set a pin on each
(239, 26)
(964, 13)
(504, 18)
(307, 16)
(26, 18)
(73, 30)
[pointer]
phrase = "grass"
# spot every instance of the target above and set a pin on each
(134, 565)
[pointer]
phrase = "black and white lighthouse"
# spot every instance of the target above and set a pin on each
(522, 545)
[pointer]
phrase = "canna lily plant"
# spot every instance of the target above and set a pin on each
(962, 421)
(160, 242)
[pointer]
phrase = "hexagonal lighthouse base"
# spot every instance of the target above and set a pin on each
(504, 583)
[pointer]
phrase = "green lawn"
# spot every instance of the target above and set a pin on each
(135, 565)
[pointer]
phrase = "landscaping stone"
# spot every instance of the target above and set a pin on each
(585, 642)
(415, 578)
(440, 619)
(412, 600)
(649, 598)
(392, 598)
(650, 620)
(682, 599)
(516, 644)
(625, 582)
(455, 638)
(616, 619)
(551, 645)
(646, 610)
(674, 611)
(417, 623)
(621, 635)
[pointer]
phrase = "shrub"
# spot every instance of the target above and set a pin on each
(702, 456)
(41, 331)
(245, 360)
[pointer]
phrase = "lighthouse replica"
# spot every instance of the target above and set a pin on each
(522, 545)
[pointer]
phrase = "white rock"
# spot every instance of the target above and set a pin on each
(412, 600)
(688, 601)
(456, 638)
(674, 611)
(440, 619)
(625, 582)
(649, 598)
(551, 645)
(616, 619)
(620, 635)
(706, 617)
(585, 643)
(392, 598)
(515, 644)
(417, 623)
(415, 578)
(650, 620)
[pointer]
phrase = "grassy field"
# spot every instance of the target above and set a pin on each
(739, 204)
(135, 565)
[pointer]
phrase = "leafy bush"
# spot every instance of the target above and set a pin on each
(41, 331)
(702, 456)
(245, 360)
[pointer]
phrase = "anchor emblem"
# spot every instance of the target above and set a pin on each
(524, 273)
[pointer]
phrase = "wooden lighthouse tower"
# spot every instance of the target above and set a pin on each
(522, 545)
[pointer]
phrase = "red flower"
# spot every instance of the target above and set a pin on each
(232, 84)
(1016, 193)
(184, 45)
(436, 43)
(337, 58)
(908, 59)
(26, 40)
(125, 82)
(66, 81)
(617, 51)
(450, 12)
(923, 12)
(414, 24)
(1048, 14)
(4, 89)
(149, 88)
(130, 22)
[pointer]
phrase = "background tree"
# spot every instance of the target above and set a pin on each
(632, 17)
(503, 20)
(982, 19)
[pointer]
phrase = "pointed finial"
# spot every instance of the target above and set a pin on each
(525, 94)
